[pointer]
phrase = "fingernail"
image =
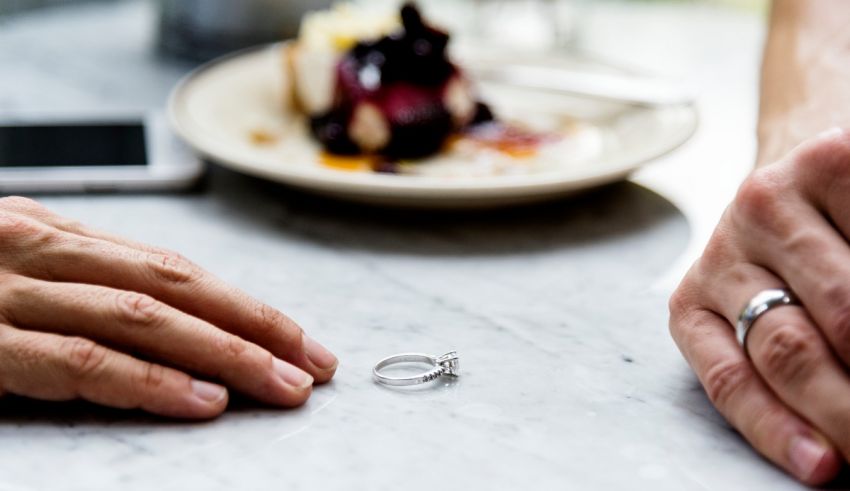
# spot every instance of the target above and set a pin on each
(292, 375)
(806, 456)
(318, 354)
(208, 392)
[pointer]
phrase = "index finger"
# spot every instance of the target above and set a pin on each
(174, 280)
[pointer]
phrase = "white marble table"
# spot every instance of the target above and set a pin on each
(559, 312)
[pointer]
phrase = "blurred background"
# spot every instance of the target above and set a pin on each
(114, 61)
(203, 29)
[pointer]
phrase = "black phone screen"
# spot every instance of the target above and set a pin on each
(73, 145)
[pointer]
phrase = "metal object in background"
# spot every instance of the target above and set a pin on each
(204, 29)
(529, 24)
(637, 90)
(12, 6)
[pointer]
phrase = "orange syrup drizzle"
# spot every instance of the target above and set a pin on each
(356, 163)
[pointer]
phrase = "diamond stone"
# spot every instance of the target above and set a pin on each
(450, 363)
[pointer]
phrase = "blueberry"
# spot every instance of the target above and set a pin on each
(331, 129)
(483, 114)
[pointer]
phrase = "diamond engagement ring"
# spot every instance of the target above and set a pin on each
(448, 365)
(757, 306)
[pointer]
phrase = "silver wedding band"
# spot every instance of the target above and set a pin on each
(757, 306)
(446, 365)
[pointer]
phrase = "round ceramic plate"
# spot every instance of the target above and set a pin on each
(235, 111)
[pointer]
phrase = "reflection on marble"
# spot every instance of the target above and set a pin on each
(569, 378)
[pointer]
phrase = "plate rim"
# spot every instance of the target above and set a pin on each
(406, 186)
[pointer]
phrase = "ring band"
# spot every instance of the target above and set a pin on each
(757, 306)
(448, 364)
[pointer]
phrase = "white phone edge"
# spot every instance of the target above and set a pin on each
(172, 165)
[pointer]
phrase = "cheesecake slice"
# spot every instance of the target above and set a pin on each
(379, 85)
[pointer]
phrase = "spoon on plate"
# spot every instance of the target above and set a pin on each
(625, 89)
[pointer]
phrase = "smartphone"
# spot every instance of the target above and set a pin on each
(61, 154)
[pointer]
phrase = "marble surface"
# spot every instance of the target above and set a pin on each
(559, 311)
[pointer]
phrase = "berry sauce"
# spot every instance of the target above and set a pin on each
(404, 76)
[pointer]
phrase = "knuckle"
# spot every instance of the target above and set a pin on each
(268, 319)
(232, 347)
(68, 224)
(21, 204)
(837, 325)
(272, 322)
(821, 166)
(788, 353)
(826, 155)
(805, 241)
(680, 302)
(83, 357)
(14, 286)
(138, 309)
(726, 379)
(765, 205)
(152, 376)
(686, 304)
(14, 228)
(759, 196)
(687, 328)
(15, 290)
(174, 268)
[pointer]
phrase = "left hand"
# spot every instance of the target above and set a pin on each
(85, 314)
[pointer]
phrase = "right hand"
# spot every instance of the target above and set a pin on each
(788, 226)
(84, 314)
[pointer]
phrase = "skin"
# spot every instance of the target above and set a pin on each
(86, 315)
(788, 226)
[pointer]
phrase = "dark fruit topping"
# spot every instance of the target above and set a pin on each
(331, 129)
(404, 75)
(483, 114)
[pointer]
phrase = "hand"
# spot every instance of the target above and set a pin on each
(788, 226)
(87, 315)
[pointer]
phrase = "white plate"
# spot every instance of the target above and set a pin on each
(218, 108)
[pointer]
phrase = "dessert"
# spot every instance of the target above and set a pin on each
(379, 93)
(380, 86)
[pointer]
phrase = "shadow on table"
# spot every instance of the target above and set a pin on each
(20, 410)
(618, 212)
(604, 214)
(16, 410)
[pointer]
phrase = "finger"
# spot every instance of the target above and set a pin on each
(51, 367)
(32, 209)
(183, 285)
(822, 165)
(727, 289)
(787, 235)
(145, 325)
(794, 359)
(709, 345)
(789, 352)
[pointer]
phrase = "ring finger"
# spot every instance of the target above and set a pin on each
(790, 353)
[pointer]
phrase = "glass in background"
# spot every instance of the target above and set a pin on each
(522, 25)
(204, 29)
(12, 6)
(548, 25)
